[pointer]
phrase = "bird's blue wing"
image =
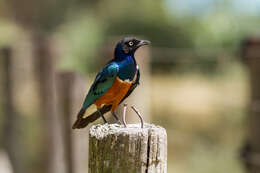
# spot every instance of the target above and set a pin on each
(104, 80)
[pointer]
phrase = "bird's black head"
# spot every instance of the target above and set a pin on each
(127, 46)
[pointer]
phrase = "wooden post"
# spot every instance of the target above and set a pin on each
(251, 150)
(113, 149)
(71, 92)
(64, 100)
(11, 136)
(52, 159)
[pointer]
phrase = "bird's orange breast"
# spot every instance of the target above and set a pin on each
(115, 94)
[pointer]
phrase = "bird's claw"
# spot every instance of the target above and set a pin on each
(116, 118)
(119, 122)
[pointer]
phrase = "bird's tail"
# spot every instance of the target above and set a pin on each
(83, 121)
(80, 119)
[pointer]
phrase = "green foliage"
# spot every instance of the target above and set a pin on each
(83, 36)
(220, 28)
(8, 32)
(160, 33)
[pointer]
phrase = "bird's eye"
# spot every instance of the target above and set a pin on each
(131, 43)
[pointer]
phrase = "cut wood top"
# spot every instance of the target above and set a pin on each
(100, 131)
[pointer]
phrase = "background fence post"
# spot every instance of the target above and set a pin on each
(70, 92)
(251, 150)
(52, 159)
(114, 149)
(11, 135)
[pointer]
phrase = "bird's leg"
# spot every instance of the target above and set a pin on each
(117, 119)
(139, 115)
(105, 121)
(124, 122)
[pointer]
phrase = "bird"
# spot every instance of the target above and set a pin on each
(113, 84)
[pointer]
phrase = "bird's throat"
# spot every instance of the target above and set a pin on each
(127, 69)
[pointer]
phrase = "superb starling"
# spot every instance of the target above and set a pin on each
(115, 82)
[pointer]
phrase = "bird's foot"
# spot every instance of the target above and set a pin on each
(116, 118)
(119, 122)
(139, 115)
(105, 121)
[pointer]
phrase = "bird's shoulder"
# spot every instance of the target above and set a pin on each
(109, 70)
(105, 75)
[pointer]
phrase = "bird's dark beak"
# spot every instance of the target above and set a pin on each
(143, 42)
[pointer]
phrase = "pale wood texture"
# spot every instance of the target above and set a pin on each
(115, 149)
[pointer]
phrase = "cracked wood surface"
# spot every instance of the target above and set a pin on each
(116, 149)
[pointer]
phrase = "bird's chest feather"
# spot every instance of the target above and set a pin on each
(127, 69)
(115, 94)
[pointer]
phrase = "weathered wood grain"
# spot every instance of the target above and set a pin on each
(115, 149)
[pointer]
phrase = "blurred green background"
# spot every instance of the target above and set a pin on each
(199, 87)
